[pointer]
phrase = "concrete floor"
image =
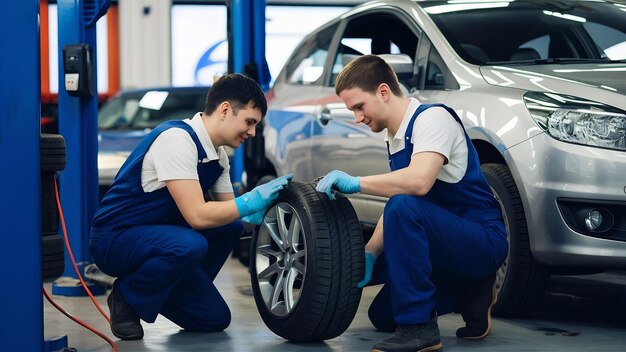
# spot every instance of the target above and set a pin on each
(563, 321)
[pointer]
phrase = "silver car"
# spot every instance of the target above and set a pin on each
(540, 86)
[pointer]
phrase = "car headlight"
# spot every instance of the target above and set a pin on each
(578, 120)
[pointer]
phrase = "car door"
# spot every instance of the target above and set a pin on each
(337, 141)
(293, 104)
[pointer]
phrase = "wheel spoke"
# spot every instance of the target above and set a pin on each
(288, 289)
(278, 288)
(283, 229)
(299, 267)
(267, 251)
(298, 254)
(274, 233)
(294, 232)
(269, 271)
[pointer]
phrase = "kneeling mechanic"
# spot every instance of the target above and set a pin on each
(441, 237)
(156, 230)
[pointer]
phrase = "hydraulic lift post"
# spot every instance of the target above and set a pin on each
(78, 123)
(21, 306)
(246, 42)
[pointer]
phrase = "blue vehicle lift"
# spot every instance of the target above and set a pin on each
(78, 123)
(21, 307)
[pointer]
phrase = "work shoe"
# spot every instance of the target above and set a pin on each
(124, 321)
(480, 297)
(420, 338)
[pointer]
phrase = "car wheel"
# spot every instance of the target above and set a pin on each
(307, 257)
(520, 280)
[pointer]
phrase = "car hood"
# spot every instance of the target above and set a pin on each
(597, 81)
(120, 142)
(113, 149)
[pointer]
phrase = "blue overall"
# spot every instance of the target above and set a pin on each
(162, 264)
(436, 242)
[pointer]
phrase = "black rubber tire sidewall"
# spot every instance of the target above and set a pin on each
(525, 279)
(53, 257)
(53, 152)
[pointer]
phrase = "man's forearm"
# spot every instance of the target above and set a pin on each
(375, 244)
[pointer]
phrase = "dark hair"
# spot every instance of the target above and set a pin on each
(238, 90)
(367, 72)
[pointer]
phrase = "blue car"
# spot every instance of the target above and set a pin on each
(130, 115)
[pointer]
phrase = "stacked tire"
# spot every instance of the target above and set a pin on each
(53, 159)
(306, 260)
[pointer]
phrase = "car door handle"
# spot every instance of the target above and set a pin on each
(324, 116)
(355, 135)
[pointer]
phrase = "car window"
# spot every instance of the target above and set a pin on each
(434, 71)
(307, 63)
(540, 45)
(113, 114)
(579, 31)
(149, 109)
(610, 41)
(374, 33)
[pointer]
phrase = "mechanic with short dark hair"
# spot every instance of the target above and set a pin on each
(158, 231)
(442, 230)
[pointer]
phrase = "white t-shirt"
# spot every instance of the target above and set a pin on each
(435, 130)
(178, 158)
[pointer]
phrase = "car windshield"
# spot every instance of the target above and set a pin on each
(147, 109)
(536, 32)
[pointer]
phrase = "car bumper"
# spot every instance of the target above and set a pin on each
(554, 172)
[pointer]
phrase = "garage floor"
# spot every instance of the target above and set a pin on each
(591, 319)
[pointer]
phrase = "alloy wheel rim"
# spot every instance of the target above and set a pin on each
(280, 258)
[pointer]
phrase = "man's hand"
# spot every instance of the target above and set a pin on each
(255, 219)
(340, 180)
(258, 199)
(370, 259)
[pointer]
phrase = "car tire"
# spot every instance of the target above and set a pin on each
(520, 280)
(52, 150)
(307, 258)
(53, 257)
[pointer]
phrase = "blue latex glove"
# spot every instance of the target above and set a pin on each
(341, 180)
(256, 218)
(370, 259)
(260, 197)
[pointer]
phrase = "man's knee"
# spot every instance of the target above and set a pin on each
(404, 207)
(211, 322)
(402, 211)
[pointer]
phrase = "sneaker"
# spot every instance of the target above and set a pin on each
(124, 321)
(476, 312)
(420, 338)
